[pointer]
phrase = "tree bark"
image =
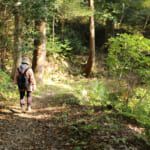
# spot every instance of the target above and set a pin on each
(53, 30)
(146, 22)
(3, 37)
(109, 30)
(17, 55)
(39, 53)
(62, 29)
(91, 60)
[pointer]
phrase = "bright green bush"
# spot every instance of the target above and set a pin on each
(129, 54)
(99, 94)
(94, 95)
(58, 46)
(140, 103)
(128, 57)
(8, 90)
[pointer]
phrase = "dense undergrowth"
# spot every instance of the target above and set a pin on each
(8, 91)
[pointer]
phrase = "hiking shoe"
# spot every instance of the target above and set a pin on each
(23, 109)
(29, 108)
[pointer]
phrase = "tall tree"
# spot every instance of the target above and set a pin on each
(39, 54)
(91, 60)
(17, 55)
(6, 23)
(3, 38)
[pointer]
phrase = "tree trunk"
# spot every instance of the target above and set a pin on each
(53, 30)
(109, 30)
(17, 55)
(3, 54)
(3, 38)
(39, 53)
(62, 29)
(146, 22)
(122, 16)
(91, 60)
(2, 47)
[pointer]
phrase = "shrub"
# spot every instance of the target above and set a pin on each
(61, 47)
(129, 54)
(7, 90)
(97, 94)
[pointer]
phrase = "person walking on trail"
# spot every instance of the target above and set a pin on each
(24, 78)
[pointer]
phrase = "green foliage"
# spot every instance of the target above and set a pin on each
(58, 46)
(107, 11)
(89, 128)
(76, 40)
(139, 103)
(71, 9)
(97, 94)
(27, 37)
(129, 54)
(77, 148)
(7, 90)
(128, 58)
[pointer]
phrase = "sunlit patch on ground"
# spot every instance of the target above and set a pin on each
(135, 128)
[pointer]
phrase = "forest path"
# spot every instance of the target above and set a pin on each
(59, 123)
(30, 130)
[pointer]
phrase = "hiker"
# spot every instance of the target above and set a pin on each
(29, 85)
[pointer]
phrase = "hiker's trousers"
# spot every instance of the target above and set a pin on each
(22, 98)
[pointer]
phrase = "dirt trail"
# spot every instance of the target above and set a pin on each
(58, 125)
(30, 130)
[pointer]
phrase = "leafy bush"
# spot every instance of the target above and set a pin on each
(77, 42)
(7, 90)
(128, 59)
(58, 46)
(97, 94)
(139, 103)
(129, 54)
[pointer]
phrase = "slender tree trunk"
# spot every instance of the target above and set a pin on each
(146, 21)
(3, 59)
(109, 30)
(3, 38)
(17, 55)
(62, 29)
(53, 27)
(91, 60)
(39, 53)
(2, 48)
(122, 16)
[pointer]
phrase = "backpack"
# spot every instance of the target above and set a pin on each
(23, 82)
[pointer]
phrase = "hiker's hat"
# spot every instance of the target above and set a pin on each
(25, 60)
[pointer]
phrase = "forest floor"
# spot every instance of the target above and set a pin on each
(56, 124)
